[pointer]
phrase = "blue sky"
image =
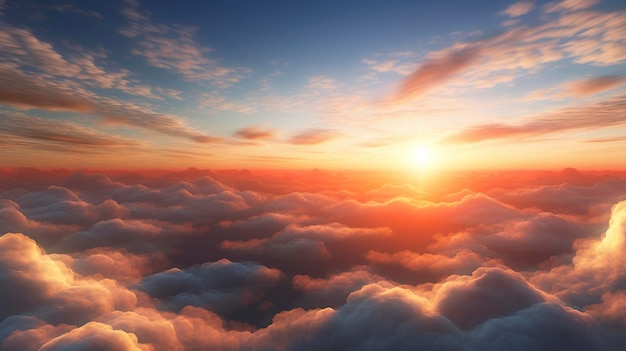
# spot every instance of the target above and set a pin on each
(312, 83)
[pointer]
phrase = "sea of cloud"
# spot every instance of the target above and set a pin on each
(240, 260)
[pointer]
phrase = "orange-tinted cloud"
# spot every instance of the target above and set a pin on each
(598, 115)
(252, 133)
(94, 335)
(596, 269)
(36, 76)
(314, 137)
(27, 127)
(519, 9)
(153, 262)
(595, 85)
(21, 91)
(583, 37)
(437, 71)
(430, 265)
(569, 5)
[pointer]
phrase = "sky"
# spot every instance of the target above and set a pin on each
(324, 84)
(312, 175)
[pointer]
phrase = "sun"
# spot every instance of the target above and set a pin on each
(423, 156)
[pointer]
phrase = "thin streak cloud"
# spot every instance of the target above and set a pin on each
(603, 114)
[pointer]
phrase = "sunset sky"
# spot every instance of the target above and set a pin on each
(327, 84)
(314, 175)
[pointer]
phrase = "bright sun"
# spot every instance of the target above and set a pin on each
(423, 156)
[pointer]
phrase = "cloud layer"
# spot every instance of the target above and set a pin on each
(199, 259)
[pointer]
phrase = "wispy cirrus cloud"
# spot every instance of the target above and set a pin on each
(571, 31)
(610, 112)
(124, 113)
(594, 85)
(22, 91)
(390, 65)
(21, 48)
(254, 133)
(569, 5)
(321, 83)
(607, 140)
(69, 8)
(578, 88)
(519, 9)
(174, 48)
(435, 72)
(314, 136)
(25, 92)
(35, 76)
(28, 127)
(218, 102)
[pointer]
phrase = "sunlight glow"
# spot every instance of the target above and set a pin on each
(423, 156)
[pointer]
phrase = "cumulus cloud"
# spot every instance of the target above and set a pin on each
(94, 336)
(46, 285)
(204, 259)
(298, 243)
(431, 266)
(487, 294)
(221, 286)
(596, 268)
(333, 291)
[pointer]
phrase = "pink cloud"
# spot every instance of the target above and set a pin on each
(579, 35)
(519, 9)
(611, 308)
(313, 137)
(252, 133)
(437, 71)
(602, 114)
(595, 85)
(569, 5)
